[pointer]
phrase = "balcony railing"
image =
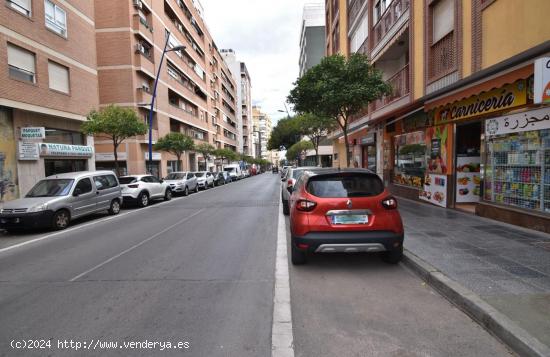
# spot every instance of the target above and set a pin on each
(400, 87)
(442, 57)
(389, 18)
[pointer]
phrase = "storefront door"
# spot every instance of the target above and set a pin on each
(468, 160)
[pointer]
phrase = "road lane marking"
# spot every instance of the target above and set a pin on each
(136, 245)
(51, 235)
(282, 340)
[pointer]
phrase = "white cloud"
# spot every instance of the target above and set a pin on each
(265, 35)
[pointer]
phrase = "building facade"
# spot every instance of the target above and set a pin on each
(312, 36)
(196, 94)
(262, 132)
(244, 101)
(458, 130)
(49, 85)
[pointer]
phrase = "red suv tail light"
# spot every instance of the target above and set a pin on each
(134, 185)
(389, 203)
(305, 205)
(289, 183)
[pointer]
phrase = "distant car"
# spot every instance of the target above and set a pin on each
(234, 170)
(56, 200)
(274, 169)
(205, 179)
(283, 171)
(182, 182)
(346, 210)
(288, 181)
(141, 189)
(220, 178)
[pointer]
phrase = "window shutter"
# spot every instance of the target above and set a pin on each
(25, 4)
(21, 58)
(59, 77)
(443, 19)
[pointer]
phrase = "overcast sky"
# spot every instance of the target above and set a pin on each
(265, 34)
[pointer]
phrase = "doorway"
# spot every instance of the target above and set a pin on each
(468, 162)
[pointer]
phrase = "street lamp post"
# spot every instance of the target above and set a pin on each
(154, 95)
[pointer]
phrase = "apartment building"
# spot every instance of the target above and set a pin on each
(244, 101)
(196, 93)
(312, 36)
(262, 132)
(49, 82)
(463, 127)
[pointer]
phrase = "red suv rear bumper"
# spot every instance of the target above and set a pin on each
(313, 240)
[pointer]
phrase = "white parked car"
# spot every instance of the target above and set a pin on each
(141, 189)
(234, 171)
(182, 182)
(205, 179)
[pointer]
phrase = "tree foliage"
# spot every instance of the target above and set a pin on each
(226, 154)
(338, 88)
(285, 133)
(316, 128)
(115, 123)
(205, 149)
(293, 153)
(175, 143)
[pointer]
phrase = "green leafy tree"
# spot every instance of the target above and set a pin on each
(293, 153)
(205, 149)
(175, 143)
(285, 133)
(315, 128)
(338, 88)
(115, 123)
(226, 154)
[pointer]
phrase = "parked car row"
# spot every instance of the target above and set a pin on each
(56, 200)
(340, 210)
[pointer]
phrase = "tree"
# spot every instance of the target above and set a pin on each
(175, 143)
(228, 154)
(115, 123)
(316, 128)
(205, 149)
(293, 153)
(285, 133)
(338, 88)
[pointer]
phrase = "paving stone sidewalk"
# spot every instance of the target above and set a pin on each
(507, 266)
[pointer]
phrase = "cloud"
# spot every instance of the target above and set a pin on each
(265, 35)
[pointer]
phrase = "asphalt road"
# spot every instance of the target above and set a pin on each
(201, 270)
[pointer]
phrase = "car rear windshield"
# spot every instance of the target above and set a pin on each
(51, 188)
(345, 185)
(175, 176)
(126, 180)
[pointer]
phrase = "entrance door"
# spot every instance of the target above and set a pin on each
(369, 157)
(468, 160)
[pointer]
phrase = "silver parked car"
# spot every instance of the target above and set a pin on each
(55, 200)
(205, 179)
(292, 174)
(182, 182)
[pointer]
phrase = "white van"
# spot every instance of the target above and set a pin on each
(234, 171)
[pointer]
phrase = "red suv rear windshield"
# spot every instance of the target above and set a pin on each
(345, 185)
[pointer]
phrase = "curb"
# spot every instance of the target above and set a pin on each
(519, 340)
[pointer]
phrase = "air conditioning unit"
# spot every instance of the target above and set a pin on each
(145, 88)
(138, 4)
(140, 48)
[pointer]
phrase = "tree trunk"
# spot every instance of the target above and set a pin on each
(115, 145)
(178, 156)
(348, 156)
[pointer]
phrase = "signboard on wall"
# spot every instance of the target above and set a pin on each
(105, 156)
(50, 149)
(542, 80)
(435, 189)
(28, 151)
(33, 132)
(156, 156)
(514, 123)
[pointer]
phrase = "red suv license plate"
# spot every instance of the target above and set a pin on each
(350, 219)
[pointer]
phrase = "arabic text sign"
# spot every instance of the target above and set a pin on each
(507, 97)
(33, 133)
(533, 120)
(49, 149)
(542, 80)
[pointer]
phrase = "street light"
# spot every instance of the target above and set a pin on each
(166, 49)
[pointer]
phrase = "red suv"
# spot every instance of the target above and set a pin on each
(347, 210)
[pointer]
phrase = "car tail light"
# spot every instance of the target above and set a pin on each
(389, 203)
(289, 183)
(134, 185)
(305, 205)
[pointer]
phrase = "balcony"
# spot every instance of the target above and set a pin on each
(141, 25)
(395, 16)
(145, 138)
(143, 57)
(143, 96)
(400, 88)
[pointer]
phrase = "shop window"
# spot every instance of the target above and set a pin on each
(410, 159)
(59, 136)
(517, 171)
(60, 166)
(174, 166)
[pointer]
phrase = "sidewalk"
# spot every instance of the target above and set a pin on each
(506, 266)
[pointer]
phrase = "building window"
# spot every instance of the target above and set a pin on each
(21, 64)
(22, 6)
(442, 19)
(443, 54)
(59, 136)
(59, 77)
(56, 18)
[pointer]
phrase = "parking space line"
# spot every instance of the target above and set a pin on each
(136, 245)
(282, 340)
